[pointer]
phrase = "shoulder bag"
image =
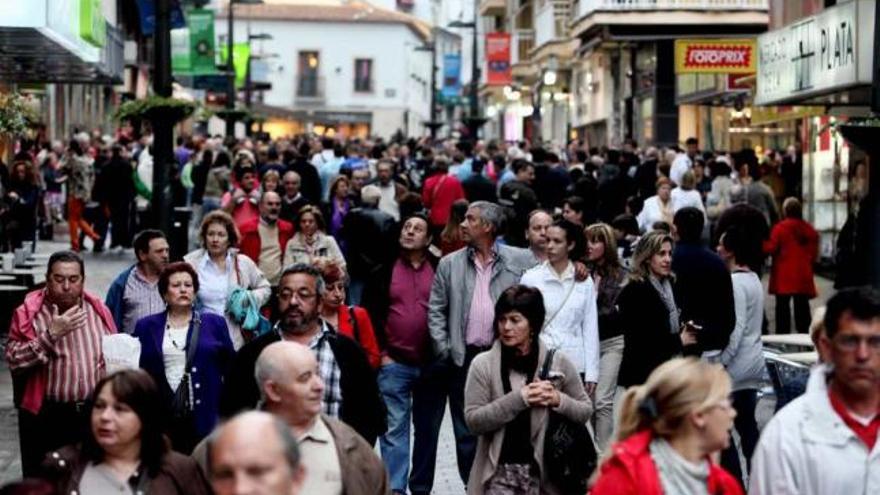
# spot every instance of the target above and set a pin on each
(569, 452)
(182, 402)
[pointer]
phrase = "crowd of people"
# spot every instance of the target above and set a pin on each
(345, 293)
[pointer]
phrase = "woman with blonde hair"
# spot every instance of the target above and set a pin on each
(669, 429)
(657, 208)
(649, 314)
(608, 279)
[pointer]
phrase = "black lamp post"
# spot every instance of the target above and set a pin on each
(474, 120)
(163, 131)
(432, 124)
(230, 64)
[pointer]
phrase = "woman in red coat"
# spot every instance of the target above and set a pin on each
(669, 429)
(351, 321)
(794, 246)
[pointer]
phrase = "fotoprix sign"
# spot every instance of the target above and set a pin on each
(820, 54)
(715, 56)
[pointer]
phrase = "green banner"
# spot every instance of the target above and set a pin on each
(241, 52)
(92, 25)
(192, 47)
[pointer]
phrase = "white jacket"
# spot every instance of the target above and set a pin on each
(575, 329)
(807, 449)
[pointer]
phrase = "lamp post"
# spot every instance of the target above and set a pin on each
(163, 132)
(248, 83)
(474, 120)
(431, 47)
(230, 64)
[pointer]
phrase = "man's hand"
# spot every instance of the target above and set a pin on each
(580, 271)
(63, 324)
(386, 360)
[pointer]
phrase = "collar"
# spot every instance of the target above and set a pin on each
(206, 258)
(550, 273)
(472, 253)
(317, 433)
(264, 223)
(820, 422)
(137, 274)
(291, 200)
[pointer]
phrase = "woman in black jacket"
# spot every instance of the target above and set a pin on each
(649, 315)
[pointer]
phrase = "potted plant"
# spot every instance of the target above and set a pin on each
(155, 108)
(16, 115)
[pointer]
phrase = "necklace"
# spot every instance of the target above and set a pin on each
(177, 345)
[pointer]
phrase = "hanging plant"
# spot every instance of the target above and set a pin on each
(16, 114)
(155, 108)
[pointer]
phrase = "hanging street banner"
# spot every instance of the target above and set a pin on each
(147, 11)
(92, 25)
(715, 56)
(241, 52)
(498, 59)
(451, 76)
(192, 47)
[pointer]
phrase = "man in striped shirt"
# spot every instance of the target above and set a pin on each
(54, 353)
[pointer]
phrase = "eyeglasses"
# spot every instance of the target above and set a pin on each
(852, 342)
(301, 295)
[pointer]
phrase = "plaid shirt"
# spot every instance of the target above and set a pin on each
(329, 370)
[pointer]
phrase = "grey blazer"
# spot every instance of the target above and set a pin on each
(453, 289)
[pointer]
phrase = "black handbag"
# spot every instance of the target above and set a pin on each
(182, 402)
(569, 453)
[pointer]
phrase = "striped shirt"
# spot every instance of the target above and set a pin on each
(140, 298)
(76, 362)
(329, 369)
(479, 330)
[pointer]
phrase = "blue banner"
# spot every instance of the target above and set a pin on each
(147, 10)
(451, 75)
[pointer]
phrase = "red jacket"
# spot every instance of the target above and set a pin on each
(794, 246)
(440, 191)
(366, 335)
(631, 471)
(250, 245)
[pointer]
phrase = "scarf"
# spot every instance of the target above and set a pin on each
(664, 289)
(678, 476)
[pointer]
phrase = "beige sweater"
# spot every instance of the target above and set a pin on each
(487, 409)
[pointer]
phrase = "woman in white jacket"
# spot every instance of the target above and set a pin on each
(571, 323)
(657, 208)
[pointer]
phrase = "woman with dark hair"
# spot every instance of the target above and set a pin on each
(573, 210)
(450, 237)
(222, 269)
(571, 325)
(124, 450)
(340, 202)
(608, 277)
(507, 402)
(794, 246)
(167, 355)
(22, 197)
(311, 240)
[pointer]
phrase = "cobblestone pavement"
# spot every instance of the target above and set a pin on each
(102, 268)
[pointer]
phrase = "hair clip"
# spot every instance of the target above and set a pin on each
(648, 407)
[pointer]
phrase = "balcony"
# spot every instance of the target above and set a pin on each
(749, 16)
(309, 89)
(493, 8)
(551, 22)
(522, 42)
(586, 7)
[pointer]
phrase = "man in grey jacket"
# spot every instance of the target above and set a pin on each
(460, 319)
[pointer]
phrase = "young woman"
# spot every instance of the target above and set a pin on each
(649, 316)
(338, 206)
(507, 404)
(744, 355)
(608, 277)
(165, 340)
(450, 237)
(124, 450)
(573, 210)
(571, 325)
(221, 269)
(669, 429)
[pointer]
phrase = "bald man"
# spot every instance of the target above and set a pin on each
(255, 453)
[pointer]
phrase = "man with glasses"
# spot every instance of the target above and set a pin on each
(350, 390)
(826, 440)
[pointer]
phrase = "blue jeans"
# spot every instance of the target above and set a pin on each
(396, 383)
(441, 380)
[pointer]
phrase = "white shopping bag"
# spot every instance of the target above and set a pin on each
(121, 351)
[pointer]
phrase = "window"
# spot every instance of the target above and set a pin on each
(307, 70)
(363, 75)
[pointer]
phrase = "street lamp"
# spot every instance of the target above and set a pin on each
(474, 121)
(230, 65)
(248, 83)
(431, 47)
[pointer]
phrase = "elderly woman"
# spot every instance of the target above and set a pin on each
(657, 208)
(221, 270)
(181, 347)
(310, 241)
(507, 403)
(649, 315)
(352, 321)
(124, 450)
(669, 429)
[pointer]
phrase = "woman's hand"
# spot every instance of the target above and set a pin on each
(533, 394)
(688, 335)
